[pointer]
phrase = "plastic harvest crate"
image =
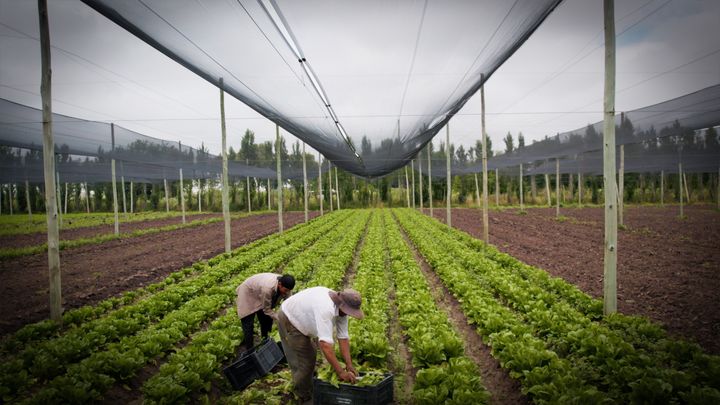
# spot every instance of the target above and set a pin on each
(379, 394)
(253, 364)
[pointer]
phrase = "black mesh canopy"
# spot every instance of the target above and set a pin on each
(366, 83)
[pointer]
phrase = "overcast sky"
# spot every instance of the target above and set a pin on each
(553, 83)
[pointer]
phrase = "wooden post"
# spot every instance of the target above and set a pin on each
(522, 203)
(330, 189)
(269, 195)
(430, 196)
(621, 187)
(247, 188)
(412, 173)
(571, 187)
(680, 189)
(49, 167)
(167, 196)
(27, 199)
(557, 187)
(114, 182)
(182, 196)
(59, 198)
(10, 197)
(407, 188)
(66, 199)
(685, 182)
(477, 192)
(279, 178)
(132, 198)
(224, 196)
(547, 189)
(320, 188)
(662, 188)
(449, 177)
(122, 187)
(305, 184)
(533, 189)
(421, 179)
(87, 198)
(486, 225)
(580, 191)
(609, 184)
(497, 187)
(199, 195)
(337, 189)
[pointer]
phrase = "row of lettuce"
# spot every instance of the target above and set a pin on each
(554, 338)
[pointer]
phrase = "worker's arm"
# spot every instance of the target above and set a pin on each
(345, 351)
(328, 350)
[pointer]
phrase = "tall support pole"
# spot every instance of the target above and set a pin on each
(27, 199)
(182, 196)
(557, 187)
(122, 187)
(11, 198)
(662, 188)
(66, 199)
(407, 188)
(621, 187)
(305, 184)
(449, 176)
(2, 191)
(420, 182)
(115, 201)
(680, 189)
(167, 196)
(59, 198)
(522, 202)
(49, 167)
(547, 189)
(609, 184)
(337, 189)
(430, 196)
(330, 188)
(279, 178)
(225, 195)
(412, 173)
(247, 188)
(497, 187)
(477, 191)
(132, 198)
(486, 224)
(87, 198)
(687, 193)
(320, 187)
(269, 195)
(199, 195)
(580, 192)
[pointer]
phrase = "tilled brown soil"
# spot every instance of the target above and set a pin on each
(38, 238)
(95, 272)
(668, 268)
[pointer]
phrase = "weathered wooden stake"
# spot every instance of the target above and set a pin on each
(557, 187)
(27, 199)
(122, 187)
(247, 188)
(305, 184)
(419, 157)
(486, 227)
(580, 190)
(320, 187)
(477, 192)
(269, 195)
(685, 182)
(182, 196)
(680, 189)
(66, 199)
(279, 178)
(132, 198)
(407, 188)
(449, 177)
(87, 198)
(430, 196)
(522, 203)
(167, 196)
(609, 175)
(199, 195)
(621, 187)
(412, 173)
(224, 196)
(337, 189)
(497, 187)
(547, 189)
(49, 167)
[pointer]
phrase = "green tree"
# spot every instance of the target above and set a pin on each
(509, 143)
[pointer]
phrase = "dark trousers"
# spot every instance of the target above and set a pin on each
(248, 324)
(301, 356)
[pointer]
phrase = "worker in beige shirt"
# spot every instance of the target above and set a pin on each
(258, 295)
(317, 313)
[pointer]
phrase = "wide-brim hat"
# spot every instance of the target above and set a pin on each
(349, 302)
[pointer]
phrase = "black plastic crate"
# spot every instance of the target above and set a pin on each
(253, 364)
(346, 394)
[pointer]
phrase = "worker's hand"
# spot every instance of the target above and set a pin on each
(351, 369)
(347, 377)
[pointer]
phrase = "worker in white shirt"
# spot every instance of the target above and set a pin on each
(257, 296)
(314, 313)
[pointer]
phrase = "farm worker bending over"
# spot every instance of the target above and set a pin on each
(258, 295)
(312, 313)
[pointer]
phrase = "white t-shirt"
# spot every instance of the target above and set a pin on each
(314, 313)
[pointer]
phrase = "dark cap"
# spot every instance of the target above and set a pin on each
(287, 281)
(349, 302)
